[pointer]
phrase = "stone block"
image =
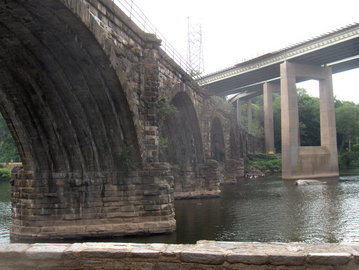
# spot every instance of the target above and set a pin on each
(203, 257)
(328, 258)
(248, 258)
(287, 259)
(144, 253)
(103, 253)
(168, 266)
(12, 251)
(46, 251)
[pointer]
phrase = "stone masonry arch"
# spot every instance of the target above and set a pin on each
(184, 150)
(71, 110)
(80, 89)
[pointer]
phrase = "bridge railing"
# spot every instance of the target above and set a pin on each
(141, 20)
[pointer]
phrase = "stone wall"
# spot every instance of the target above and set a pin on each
(203, 255)
(251, 143)
(115, 204)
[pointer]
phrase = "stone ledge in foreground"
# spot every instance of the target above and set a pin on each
(203, 255)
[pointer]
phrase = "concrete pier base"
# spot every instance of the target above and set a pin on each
(203, 255)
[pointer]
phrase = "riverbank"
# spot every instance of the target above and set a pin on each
(6, 169)
(202, 255)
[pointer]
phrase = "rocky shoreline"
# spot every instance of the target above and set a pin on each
(257, 173)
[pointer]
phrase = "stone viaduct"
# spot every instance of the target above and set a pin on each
(109, 128)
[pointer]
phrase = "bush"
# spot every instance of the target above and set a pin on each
(5, 174)
(348, 160)
(264, 162)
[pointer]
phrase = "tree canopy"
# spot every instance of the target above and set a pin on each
(346, 114)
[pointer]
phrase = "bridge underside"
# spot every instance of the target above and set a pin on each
(338, 50)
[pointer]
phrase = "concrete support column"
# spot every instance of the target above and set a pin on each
(239, 112)
(249, 113)
(268, 89)
(309, 161)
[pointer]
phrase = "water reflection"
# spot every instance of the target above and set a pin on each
(265, 209)
(5, 211)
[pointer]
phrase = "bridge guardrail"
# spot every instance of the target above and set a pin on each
(141, 20)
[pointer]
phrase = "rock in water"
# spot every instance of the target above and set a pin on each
(309, 182)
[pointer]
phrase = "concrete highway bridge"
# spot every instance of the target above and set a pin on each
(317, 59)
(108, 127)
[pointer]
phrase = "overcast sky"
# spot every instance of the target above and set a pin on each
(234, 30)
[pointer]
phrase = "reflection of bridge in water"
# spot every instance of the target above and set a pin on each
(315, 59)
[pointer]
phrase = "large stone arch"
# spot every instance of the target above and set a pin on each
(74, 129)
(184, 146)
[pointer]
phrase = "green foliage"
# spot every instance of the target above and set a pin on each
(309, 118)
(175, 169)
(126, 158)
(164, 108)
(8, 150)
(162, 143)
(224, 105)
(257, 115)
(348, 160)
(347, 120)
(5, 174)
(264, 162)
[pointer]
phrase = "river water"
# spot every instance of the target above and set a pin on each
(263, 209)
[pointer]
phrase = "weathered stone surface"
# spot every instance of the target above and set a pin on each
(45, 252)
(248, 258)
(203, 257)
(329, 258)
(287, 259)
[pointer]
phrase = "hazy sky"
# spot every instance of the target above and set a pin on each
(234, 30)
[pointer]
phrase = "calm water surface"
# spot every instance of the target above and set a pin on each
(264, 210)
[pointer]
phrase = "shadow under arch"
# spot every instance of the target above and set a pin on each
(233, 146)
(184, 147)
(183, 134)
(64, 97)
(217, 141)
(68, 115)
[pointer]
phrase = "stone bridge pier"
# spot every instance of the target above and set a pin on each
(83, 91)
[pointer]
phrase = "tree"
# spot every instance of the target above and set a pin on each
(8, 150)
(309, 118)
(347, 120)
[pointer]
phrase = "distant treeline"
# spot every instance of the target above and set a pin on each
(346, 113)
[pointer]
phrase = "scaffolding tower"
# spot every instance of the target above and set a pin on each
(195, 49)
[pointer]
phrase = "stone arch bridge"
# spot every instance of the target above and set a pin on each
(87, 97)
